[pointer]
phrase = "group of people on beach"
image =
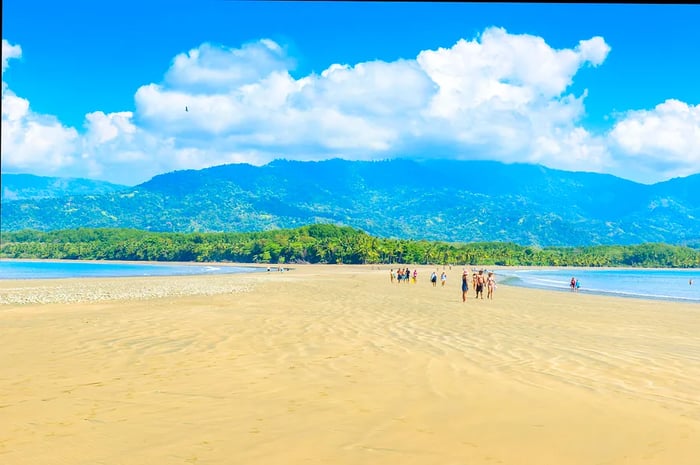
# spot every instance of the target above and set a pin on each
(480, 280)
(434, 278)
(403, 275)
(574, 284)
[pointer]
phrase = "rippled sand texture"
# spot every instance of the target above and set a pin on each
(336, 365)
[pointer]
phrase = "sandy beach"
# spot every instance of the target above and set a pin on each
(337, 365)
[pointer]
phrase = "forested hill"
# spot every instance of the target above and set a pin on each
(456, 201)
(324, 243)
(31, 187)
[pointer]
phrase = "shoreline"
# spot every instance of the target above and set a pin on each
(382, 266)
(162, 289)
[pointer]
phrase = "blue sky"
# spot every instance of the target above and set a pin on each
(99, 89)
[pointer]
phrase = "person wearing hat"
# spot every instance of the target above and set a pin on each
(465, 285)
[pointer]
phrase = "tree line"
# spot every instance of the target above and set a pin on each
(323, 243)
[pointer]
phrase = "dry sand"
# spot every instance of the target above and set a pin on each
(336, 365)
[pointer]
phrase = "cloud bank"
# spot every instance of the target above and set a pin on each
(498, 96)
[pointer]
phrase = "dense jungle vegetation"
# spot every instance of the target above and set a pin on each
(322, 243)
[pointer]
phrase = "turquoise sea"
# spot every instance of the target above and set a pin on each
(646, 283)
(20, 269)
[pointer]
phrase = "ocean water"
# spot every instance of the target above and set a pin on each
(663, 284)
(18, 269)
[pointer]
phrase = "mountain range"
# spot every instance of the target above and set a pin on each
(447, 200)
(32, 187)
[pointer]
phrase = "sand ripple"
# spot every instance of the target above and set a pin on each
(337, 365)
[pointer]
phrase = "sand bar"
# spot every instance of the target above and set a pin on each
(336, 365)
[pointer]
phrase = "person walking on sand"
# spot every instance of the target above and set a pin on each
(433, 278)
(465, 285)
(490, 285)
(480, 281)
(443, 278)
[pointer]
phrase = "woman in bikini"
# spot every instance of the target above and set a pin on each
(490, 285)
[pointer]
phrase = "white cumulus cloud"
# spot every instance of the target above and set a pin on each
(106, 127)
(497, 96)
(210, 68)
(34, 143)
(31, 142)
(663, 141)
(493, 95)
(9, 51)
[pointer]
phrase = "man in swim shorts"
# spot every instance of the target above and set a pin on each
(480, 284)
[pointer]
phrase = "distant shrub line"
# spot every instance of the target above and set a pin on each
(323, 243)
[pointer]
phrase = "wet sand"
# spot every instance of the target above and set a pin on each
(336, 365)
